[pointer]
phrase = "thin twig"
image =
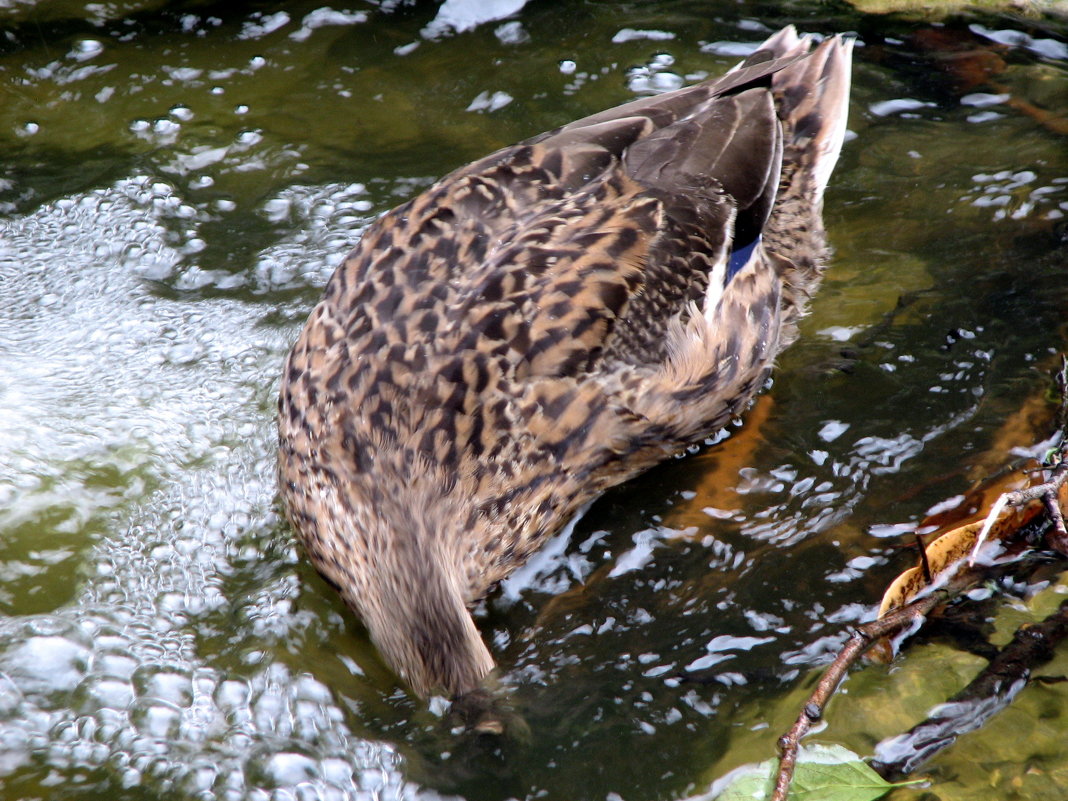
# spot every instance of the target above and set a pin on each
(1057, 477)
(1058, 537)
(862, 638)
(924, 564)
(1046, 492)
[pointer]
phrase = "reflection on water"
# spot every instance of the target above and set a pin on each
(179, 185)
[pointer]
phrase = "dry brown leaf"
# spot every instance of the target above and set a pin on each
(950, 547)
(949, 551)
(956, 529)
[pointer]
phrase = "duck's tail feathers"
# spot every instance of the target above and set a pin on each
(784, 43)
(812, 97)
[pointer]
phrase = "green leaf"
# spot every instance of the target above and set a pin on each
(747, 783)
(823, 773)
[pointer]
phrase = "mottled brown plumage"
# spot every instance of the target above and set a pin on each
(543, 324)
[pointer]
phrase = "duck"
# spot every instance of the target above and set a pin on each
(543, 324)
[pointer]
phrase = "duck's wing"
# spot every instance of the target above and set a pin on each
(576, 287)
(613, 224)
(536, 253)
(650, 309)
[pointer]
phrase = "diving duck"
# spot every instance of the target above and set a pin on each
(543, 324)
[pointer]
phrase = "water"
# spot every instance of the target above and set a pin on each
(179, 182)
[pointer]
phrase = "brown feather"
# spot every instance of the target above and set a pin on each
(542, 324)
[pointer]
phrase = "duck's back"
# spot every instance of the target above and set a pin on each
(554, 318)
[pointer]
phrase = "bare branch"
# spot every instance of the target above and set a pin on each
(863, 637)
(1046, 492)
(1030, 649)
(986, 695)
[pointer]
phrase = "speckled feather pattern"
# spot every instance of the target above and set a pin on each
(541, 325)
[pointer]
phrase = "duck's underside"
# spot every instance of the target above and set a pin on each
(543, 324)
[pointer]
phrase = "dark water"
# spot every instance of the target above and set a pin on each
(178, 182)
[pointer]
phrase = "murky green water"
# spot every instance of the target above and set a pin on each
(178, 182)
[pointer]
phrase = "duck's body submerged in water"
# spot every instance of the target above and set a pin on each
(543, 324)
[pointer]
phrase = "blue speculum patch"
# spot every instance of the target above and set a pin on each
(740, 257)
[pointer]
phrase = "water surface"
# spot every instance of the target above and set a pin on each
(180, 180)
